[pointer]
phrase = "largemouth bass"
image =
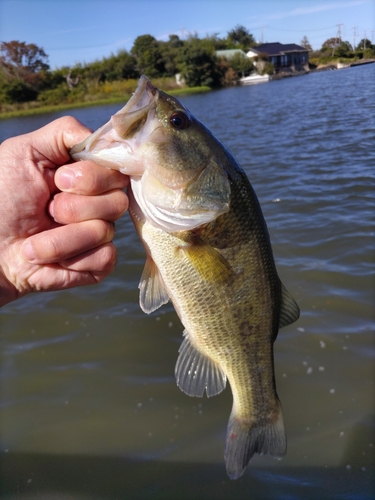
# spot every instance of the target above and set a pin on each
(209, 252)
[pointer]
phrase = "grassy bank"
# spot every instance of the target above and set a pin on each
(37, 108)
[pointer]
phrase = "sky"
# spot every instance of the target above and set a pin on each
(82, 31)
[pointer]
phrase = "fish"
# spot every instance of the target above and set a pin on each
(208, 251)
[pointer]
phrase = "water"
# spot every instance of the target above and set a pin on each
(89, 405)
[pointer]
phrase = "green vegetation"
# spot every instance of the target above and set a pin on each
(336, 50)
(28, 86)
(32, 109)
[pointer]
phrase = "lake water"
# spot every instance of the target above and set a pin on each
(89, 405)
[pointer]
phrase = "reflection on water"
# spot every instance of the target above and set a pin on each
(89, 405)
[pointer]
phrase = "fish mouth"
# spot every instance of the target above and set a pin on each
(116, 138)
(144, 94)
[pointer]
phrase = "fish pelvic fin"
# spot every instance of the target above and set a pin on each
(289, 310)
(152, 291)
(196, 373)
(243, 441)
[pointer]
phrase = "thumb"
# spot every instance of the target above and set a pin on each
(55, 140)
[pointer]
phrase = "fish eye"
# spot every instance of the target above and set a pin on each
(179, 120)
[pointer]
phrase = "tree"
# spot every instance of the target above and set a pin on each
(365, 43)
(146, 50)
(331, 43)
(126, 65)
(22, 69)
(197, 64)
(241, 38)
(344, 49)
(16, 91)
(169, 51)
(21, 59)
(305, 43)
(216, 42)
(241, 64)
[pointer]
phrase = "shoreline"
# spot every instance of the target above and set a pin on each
(101, 102)
(175, 92)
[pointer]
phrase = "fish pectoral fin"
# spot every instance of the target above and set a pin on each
(289, 310)
(152, 291)
(196, 373)
(207, 261)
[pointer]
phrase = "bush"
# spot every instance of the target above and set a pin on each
(197, 64)
(17, 91)
(268, 69)
(54, 96)
(368, 53)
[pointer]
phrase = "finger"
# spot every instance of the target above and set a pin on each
(67, 208)
(64, 242)
(86, 177)
(56, 277)
(100, 261)
(55, 140)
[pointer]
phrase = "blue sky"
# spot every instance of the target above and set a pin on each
(72, 31)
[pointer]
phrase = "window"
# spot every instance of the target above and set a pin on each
(284, 60)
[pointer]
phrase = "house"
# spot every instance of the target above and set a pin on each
(285, 58)
(230, 53)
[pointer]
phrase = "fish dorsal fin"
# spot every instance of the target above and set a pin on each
(289, 310)
(207, 261)
(196, 373)
(153, 293)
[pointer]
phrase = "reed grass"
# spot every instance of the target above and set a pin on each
(111, 93)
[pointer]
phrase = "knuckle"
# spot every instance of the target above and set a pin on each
(65, 208)
(117, 204)
(68, 121)
(108, 258)
(103, 231)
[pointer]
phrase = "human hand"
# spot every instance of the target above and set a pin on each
(56, 226)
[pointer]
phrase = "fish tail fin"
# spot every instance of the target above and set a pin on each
(243, 440)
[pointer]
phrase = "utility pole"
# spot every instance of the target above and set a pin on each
(354, 36)
(364, 41)
(338, 36)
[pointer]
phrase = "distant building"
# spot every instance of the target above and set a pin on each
(285, 58)
(228, 54)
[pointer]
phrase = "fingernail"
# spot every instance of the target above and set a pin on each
(28, 251)
(65, 178)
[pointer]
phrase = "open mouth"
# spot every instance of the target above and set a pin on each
(113, 144)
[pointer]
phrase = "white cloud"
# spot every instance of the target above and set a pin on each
(317, 8)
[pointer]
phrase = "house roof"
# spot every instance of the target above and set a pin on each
(276, 48)
(228, 54)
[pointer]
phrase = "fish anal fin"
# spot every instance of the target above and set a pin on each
(244, 440)
(196, 373)
(152, 291)
(289, 310)
(207, 261)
